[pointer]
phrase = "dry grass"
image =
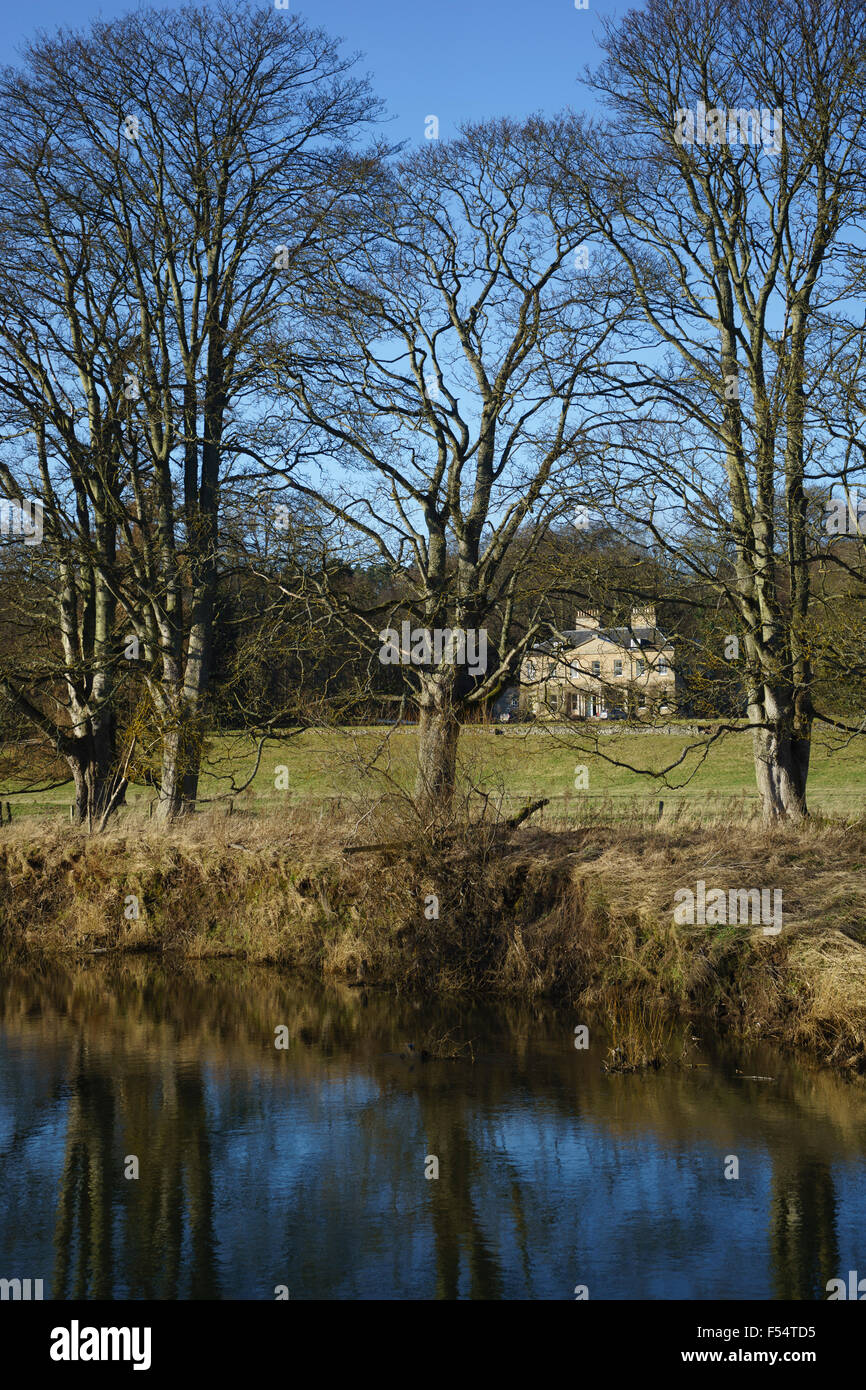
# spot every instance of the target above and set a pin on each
(583, 915)
(642, 1036)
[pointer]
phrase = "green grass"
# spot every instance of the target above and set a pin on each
(523, 762)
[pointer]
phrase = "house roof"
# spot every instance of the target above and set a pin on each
(651, 637)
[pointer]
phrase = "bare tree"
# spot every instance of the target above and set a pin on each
(206, 147)
(61, 413)
(732, 170)
(444, 364)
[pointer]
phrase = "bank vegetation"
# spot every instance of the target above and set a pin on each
(582, 916)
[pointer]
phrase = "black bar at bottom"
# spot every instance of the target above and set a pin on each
(242, 1339)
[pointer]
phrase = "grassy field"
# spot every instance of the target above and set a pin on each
(349, 766)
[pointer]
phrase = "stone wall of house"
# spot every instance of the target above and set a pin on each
(597, 675)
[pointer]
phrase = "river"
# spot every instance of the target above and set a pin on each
(156, 1143)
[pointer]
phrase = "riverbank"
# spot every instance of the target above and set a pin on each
(584, 916)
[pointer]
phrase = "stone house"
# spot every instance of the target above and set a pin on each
(601, 673)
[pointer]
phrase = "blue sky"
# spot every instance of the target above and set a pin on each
(456, 59)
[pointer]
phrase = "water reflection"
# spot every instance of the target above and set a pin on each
(805, 1247)
(305, 1167)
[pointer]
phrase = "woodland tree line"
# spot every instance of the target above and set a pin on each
(277, 384)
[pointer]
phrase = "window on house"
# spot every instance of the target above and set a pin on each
(617, 668)
(662, 666)
(530, 670)
(574, 670)
(640, 667)
(596, 668)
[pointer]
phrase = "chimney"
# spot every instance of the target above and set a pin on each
(587, 618)
(644, 617)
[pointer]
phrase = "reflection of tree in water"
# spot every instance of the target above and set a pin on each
(169, 1246)
(317, 1153)
(359, 1218)
(175, 1151)
(804, 1242)
(84, 1225)
(450, 1120)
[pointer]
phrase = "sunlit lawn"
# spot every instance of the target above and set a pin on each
(522, 761)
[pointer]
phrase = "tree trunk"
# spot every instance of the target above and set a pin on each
(782, 749)
(183, 739)
(438, 731)
(178, 784)
(92, 761)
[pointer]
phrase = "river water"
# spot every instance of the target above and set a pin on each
(309, 1169)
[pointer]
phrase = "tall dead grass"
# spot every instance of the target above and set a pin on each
(582, 914)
